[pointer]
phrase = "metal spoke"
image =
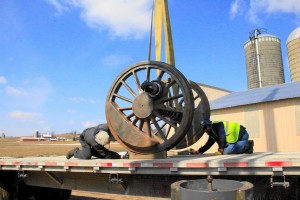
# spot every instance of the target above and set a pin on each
(137, 81)
(170, 84)
(161, 133)
(124, 98)
(129, 88)
(126, 108)
(168, 131)
(166, 120)
(129, 116)
(181, 102)
(172, 98)
(171, 110)
(141, 125)
(148, 128)
(161, 126)
(135, 121)
(148, 73)
(161, 73)
(196, 97)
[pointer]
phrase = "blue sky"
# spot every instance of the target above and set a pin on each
(58, 58)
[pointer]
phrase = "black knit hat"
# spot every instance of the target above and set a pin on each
(205, 122)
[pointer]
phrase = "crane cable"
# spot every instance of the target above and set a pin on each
(150, 38)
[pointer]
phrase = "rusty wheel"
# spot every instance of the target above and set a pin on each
(149, 107)
(201, 112)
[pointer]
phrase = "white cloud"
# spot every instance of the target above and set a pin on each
(60, 8)
(82, 100)
(273, 6)
(11, 91)
(89, 124)
(31, 93)
(23, 115)
(237, 8)
(270, 7)
(3, 80)
(122, 18)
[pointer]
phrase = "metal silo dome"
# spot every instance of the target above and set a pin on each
(295, 34)
(293, 47)
(263, 60)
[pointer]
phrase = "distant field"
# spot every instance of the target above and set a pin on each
(13, 147)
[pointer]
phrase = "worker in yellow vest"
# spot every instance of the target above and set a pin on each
(232, 138)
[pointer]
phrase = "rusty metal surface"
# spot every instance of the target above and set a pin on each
(221, 190)
(144, 123)
(87, 195)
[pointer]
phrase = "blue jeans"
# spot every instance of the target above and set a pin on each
(239, 147)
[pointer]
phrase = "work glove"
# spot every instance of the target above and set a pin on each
(217, 153)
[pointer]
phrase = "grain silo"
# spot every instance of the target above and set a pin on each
(263, 60)
(293, 47)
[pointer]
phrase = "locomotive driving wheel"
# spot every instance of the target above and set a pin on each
(201, 112)
(149, 107)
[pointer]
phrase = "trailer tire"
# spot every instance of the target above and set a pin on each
(44, 193)
(4, 193)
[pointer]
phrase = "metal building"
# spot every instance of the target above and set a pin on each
(270, 114)
(293, 47)
(213, 92)
(263, 60)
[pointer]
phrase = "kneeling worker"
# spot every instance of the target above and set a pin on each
(92, 141)
(231, 137)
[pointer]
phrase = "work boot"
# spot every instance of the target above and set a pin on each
(126, 156)
(250, 148)
(70, 154)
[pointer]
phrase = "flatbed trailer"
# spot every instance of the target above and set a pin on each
(55, 176)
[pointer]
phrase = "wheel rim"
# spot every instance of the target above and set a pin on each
(201, 112)
(143, 123)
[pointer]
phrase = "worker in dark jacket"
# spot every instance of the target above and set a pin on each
(92, 141)
(231, 137)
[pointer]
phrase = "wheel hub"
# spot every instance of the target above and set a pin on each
(142, 105)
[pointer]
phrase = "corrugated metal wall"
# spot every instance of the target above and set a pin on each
(270, 60)
(294, 59)
(297, 113)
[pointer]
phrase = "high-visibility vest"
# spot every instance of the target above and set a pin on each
(232, 131)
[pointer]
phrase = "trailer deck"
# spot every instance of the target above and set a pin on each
(268, 163)
(55, 175)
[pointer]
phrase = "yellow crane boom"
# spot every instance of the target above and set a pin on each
(162, 23)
